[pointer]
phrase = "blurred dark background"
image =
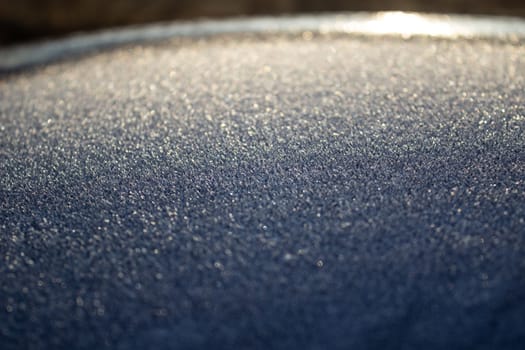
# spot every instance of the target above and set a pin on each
(24, 20)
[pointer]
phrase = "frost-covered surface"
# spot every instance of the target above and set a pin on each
(266, 193)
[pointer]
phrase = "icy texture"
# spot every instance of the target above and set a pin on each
(266, 193)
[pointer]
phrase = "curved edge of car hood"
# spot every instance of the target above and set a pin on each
(403, 24)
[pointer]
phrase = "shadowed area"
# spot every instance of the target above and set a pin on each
(266, 192)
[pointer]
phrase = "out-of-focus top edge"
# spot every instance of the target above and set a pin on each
(382, 23)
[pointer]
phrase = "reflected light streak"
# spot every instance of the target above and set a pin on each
(407, 24)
